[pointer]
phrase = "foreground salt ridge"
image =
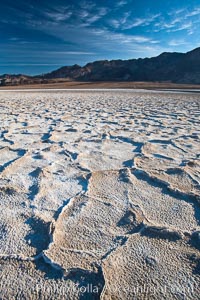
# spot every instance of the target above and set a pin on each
(97, 181)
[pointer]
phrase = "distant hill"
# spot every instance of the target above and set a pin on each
(20, 79)
(172, 67)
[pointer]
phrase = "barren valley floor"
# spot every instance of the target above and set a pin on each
(99, 195)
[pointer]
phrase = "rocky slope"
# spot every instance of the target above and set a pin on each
(167, 67)
(173, 67)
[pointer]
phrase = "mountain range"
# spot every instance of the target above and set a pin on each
(167, 67)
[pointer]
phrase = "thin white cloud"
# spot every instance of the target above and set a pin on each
(120, 22)
(124, 39)
(114, 23)
(88, 5)
(177, 11)
(178, 20)
(100, 40)
(195, 12)
(58, 13)
(178, 42)
(174, 25)
(17, 40)
(70, 52)
(185, 12)
(140, 39)
(185, 26)
(87, 18)
(121, 3)
(140, 22)
(135, 23)
(14, 39)
(83, 14)
(57, 16)
(168, 25)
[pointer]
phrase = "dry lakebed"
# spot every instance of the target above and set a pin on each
(99, 195)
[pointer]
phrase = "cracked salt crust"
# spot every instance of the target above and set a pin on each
(99, 188)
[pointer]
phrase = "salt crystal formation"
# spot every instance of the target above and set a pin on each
(99, 195)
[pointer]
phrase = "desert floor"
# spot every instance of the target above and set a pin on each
(99, 195)
(62, 83)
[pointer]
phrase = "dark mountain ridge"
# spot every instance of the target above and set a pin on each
(172, 67)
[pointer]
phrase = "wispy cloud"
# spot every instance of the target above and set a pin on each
(120, 22)
(88, 18)
(177, 11)
(179, 23)
(100, 39)
(194, 12)
(140, 22)
(122, 38)
(88, 5)
(85, 14)
(17, 40)
(185, 26)
(177, 43)
(69, 53)
(182, 19)
(126, 21)
(121, 3)
(58, 16)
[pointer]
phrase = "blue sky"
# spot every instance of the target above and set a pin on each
(37, 36)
